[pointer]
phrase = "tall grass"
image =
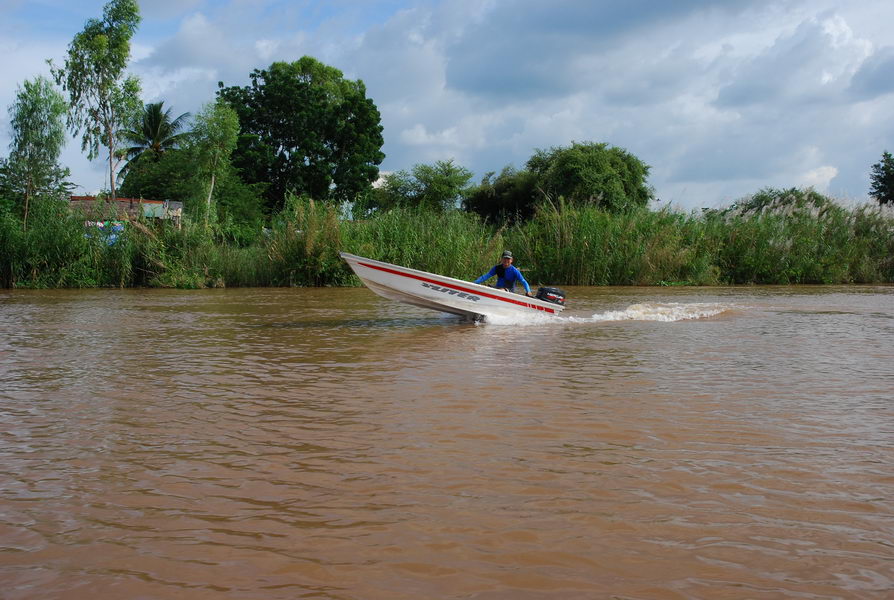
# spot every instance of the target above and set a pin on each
(304, 243)
(57, 251)
(453, 243)
(587, 246)
(831, 246)
(783, 238)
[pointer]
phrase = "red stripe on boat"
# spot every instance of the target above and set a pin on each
(456, 287)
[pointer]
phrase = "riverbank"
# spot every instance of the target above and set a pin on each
(806, 244)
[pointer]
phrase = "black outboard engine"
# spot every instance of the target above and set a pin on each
(551, 294)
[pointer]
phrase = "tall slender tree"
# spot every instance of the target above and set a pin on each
(152, 133)
(882, 180)
(214, 139)
(38, 135)
(103, 99)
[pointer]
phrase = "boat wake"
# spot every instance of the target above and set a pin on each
(648, 311)
(667, 312)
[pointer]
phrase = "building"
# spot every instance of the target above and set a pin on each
(128, 208)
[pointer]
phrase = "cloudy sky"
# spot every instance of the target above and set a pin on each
(721, 98)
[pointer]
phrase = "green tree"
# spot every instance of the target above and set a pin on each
(182, 175)
(308, 130)
(882, 180)
(394, 190)
(596, 174)
(441, 186)
(509, 197)
(38, 135)
(171, 176)
(101, 97)
(214, 136)
(239, 208)
(153, 132)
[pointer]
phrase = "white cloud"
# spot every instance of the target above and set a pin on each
(419, 136)
(161, 84)
(266, 48)
(819, 178)
(198, 42)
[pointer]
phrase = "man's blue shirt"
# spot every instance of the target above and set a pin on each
(510, 276)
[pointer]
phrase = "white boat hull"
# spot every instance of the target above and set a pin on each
(444, 294)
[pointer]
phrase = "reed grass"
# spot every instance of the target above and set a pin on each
(808, 242)
(452, 243)
(304, 244)
(586, 246)
(55, 251)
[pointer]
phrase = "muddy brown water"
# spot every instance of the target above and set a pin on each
(326, 443)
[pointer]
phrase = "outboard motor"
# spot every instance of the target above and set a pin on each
(551, 294)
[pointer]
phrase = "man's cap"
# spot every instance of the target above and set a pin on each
(507, 254)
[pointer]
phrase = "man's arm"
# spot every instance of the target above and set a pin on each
(488, 275)
(523, 281)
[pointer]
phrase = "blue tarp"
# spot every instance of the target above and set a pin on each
(106, 231)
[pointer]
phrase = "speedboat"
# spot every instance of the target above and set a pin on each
(450, 295)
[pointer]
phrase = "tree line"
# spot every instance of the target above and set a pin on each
(298, 128)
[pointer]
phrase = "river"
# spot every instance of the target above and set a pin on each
(651, 443)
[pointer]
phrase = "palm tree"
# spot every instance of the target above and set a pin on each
(153, 133)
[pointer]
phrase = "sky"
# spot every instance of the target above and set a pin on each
(720, 98)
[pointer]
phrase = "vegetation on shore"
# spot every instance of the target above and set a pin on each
(774, 237)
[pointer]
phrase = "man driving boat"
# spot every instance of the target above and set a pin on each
(507, 274)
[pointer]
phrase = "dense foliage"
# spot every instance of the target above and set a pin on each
(308, 130)
(583, 174)
(511, 196)
(596, 174)
(802, 239)
(200, 174)
(170, 176)
(439, 187)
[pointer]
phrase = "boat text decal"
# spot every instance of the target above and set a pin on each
(444, 290)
